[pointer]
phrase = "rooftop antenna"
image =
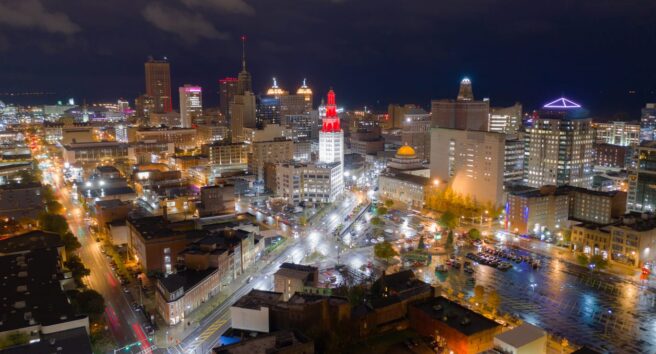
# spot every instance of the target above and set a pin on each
(243, 52)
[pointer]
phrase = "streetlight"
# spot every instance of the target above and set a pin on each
(436, 182)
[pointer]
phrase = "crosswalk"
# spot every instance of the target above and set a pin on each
(208, 332)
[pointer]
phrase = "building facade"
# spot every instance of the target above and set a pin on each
(462, 113)
(191, 105)
(560, 146)
(158, 84)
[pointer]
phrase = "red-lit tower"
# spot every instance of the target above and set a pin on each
(331, 142)
(331, 120)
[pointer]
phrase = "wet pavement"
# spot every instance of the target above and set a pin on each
(603, 312)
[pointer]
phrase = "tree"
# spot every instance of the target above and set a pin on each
(14, 339)
(302, 220)
(54, 207)
(598, 261)
(71, 242)
(448, 220)
(449, 239)
(376, 221)
(479, 293)
(89, 302)
(48, 193)
(389, 203)
(381, 211)
(78, 270)
(493, 300)
(582, 259)
(384, 250)
(53, 223)
(474, 234)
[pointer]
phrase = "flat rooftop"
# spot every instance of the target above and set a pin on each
(187, 279)
(258, 298)
(30, 241)
(455, 316)
(522, 335)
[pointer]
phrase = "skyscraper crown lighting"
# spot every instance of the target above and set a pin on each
(331, 121)
(562, 103)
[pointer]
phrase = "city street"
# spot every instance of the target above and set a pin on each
(318, 237)
(124, 324)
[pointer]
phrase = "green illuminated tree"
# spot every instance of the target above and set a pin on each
(53, 223)
(474, 234)
(448, 220)
(384, 250)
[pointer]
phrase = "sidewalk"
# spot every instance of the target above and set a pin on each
(168, 336)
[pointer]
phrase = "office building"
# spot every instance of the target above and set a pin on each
(227, 90)
(560, 146)
(472, 162)
(226, 154)
(506, 120)
(182, 138)
(642, 178)
(617, 133)
(273, 151)
(415, 131)
(243, 115)
(303, 126)
(648, 122)
(513, 170)
(612, 156)
(536, 211)
(191, 105)
(331, 141)
(94, 152)
(214, 200)
(317, 183)
(144, 105)
(462, 113)
(158, 84)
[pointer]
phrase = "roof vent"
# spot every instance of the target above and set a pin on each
(465, 321)
(19, 304)
(21, 288)
(22, 274)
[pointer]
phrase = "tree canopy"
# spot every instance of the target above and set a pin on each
(448, 220)
(384, 250)
(53, 223)
(474, 234)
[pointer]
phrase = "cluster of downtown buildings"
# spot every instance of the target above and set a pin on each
(165, 185)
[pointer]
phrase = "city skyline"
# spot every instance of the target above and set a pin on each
(529, 54)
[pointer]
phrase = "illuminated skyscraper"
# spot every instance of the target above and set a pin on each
(331, 139)
(648, 122)
(244, 79)
(191, 104)
(227, 91)
(559, 146)
(158, 84)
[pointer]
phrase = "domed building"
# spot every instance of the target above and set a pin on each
(406, 160)
(275, 90)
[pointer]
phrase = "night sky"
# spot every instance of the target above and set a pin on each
(601, 53)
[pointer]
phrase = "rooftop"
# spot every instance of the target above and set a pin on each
(74, 340)
(522, 335)
(30, 241)
(258, 298)
(406, 177)
(455, 316)
(187, 278)
(157, 227)
(32, 292)
(296, 271)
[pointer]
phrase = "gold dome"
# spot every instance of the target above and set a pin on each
(406, 151)
(304, 90)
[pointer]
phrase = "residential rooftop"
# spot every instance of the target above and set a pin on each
(30, 241)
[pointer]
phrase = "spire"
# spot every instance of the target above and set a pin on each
(243, 52)
(331, 120)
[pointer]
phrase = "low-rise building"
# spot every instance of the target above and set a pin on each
(182, 138)
(408, 189)
(21, 200)
(291, 278)
(94, 152)
(286, 341)
(524, 339)
(181, 293)
(463, 330)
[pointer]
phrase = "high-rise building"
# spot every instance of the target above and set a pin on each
(331, 138)
(506, 120)
(227, 90)
(191, 104)
(415, 131)
(462, 113)
(144, 105)
(305, 92)
(272, 151)
(642, 179)
(648, 122)
(243, 115)
(559, 146)
(472, 162)
(158, 84)
(513, 172)
(617, 133)
(244, 79)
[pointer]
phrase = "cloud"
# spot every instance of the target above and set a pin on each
(190, 27)
(230, 6)
(30, 14)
